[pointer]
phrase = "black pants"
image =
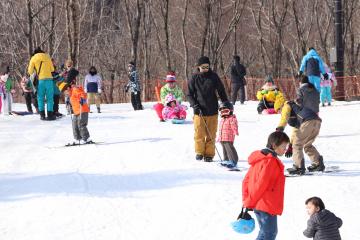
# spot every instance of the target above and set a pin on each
(56, 103)
(30, 98)
(229, 152)
(235, 87)
(136, 101)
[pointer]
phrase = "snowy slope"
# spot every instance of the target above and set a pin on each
(142, 182)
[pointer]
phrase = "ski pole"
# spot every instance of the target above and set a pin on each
(208, 132)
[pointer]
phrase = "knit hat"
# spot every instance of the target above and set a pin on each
(170, 77)
(203, 60)
(169, 98)
(269, 79)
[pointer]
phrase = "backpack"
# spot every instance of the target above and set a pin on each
(312, 67)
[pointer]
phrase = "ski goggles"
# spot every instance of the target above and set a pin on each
(225, 112)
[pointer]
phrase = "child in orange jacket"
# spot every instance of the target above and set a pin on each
(264, 184)
(80, 107)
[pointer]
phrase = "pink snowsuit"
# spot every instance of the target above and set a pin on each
(178, 111)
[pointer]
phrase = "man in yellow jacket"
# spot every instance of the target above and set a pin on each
(41, 65)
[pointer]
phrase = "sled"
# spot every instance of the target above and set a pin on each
(177, 121)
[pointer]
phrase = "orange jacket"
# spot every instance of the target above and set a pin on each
(75, 94)
(264, 183)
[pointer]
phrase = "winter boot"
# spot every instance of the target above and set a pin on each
(50, 116)
(317, 167)
(42, 115)
(98, 109)
(329, 103)
(296, 170)
(208, 159)
(199, 157)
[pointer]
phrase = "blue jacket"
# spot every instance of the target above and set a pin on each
(310, 69)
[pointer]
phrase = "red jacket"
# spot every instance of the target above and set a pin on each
(228, 128)
(264, 183)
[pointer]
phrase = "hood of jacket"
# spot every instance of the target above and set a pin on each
(324, 218)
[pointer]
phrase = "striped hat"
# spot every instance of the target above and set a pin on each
(170, 77)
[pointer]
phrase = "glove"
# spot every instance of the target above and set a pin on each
(326, 76)
(82, 101)
(289, 152)
(279, 129)
(99, 90)
(300, 73)
(197, 109)
(126, 88)
(264, 92)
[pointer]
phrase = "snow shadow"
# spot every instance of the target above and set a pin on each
(21, 187)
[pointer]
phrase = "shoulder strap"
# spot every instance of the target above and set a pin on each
(37, 73)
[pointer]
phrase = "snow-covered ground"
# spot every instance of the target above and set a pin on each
(142, 182)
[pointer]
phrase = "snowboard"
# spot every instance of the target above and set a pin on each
(21, 113)
(177, 121)
(328, 170)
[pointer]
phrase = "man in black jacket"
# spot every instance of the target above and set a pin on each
(238, 82)
(202, 89)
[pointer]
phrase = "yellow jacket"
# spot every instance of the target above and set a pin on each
(46, 68)
(285, 114)
(271, 95)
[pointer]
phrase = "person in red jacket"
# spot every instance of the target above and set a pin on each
(264, 183)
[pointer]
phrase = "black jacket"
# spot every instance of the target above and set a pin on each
(238, 72)
(308, 97)
(202, 89)
(323, 225)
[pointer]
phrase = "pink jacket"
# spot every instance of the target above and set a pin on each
(179, 112)
(330, 82)
(228, 128)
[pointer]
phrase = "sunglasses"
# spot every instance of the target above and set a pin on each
(205, 67)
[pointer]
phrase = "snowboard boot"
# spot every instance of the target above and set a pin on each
(208, 159)
(198, 157)
(296, 170)
(42, 115)
(317, 167)
(50, 116)
(98, 109)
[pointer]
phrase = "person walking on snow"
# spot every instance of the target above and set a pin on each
(228, 128)
(92, 86)
(326, 85)
(134, 87)
(264, 184)
(313, 66)
(202, 89)
(41, 65)
(169, 88)
(238, 82)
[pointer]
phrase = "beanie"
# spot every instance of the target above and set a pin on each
(203, 60)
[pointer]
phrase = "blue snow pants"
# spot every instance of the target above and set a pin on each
(46, 90)
(325, 94)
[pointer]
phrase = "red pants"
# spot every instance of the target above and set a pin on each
(158, 109)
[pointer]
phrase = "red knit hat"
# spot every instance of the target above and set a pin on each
(170, 77)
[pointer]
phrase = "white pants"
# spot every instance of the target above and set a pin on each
(6, 103)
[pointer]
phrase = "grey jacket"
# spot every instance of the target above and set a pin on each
(323, 225)
(308, 97)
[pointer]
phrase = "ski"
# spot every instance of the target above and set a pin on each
(79, 144)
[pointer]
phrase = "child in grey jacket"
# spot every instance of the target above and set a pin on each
(323, 224)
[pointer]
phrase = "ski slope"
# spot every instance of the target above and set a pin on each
(142, 181)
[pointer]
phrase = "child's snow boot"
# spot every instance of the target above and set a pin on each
(317, 167)
(296, 170)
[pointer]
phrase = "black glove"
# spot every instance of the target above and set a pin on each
(289, 151)
(279, 129)
(326, 76)
(197, 109)
(126, 88)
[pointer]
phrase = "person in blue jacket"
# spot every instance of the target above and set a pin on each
(313, 66)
